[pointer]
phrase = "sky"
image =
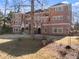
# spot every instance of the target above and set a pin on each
(47, 3)
(75, 3)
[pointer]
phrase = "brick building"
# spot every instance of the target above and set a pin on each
(19, 22)
(56, 20)
(60, 20)
(22, 21)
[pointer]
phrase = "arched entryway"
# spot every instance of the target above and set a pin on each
(39, 31)
(22, 29)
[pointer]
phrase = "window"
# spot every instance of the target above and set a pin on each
(45, 30)
(59, 9)
(57, 30)
(26, 28)
(61, 18)
(54, 17)
(15, 29)
(57, 17)
(60, 30)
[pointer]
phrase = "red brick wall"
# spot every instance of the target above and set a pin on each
(47, 29)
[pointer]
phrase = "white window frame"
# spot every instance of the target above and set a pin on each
(57, 28)
(57, 18)
(61, 17)
(60, 29)
(59, 9)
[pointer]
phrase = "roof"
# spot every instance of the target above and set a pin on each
(36, 11)
(59, 4)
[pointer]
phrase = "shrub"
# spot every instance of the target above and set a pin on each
(6, 30)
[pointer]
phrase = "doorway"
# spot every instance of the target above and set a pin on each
(39, 31)
(22, 30)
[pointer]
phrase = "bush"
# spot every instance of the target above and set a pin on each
(6, 30)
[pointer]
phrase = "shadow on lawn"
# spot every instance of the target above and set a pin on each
(23, 47)
(18, 48)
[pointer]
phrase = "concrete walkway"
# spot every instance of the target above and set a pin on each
(13, 36)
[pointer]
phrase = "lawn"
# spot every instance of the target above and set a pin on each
(20, 47)
(32, 49)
